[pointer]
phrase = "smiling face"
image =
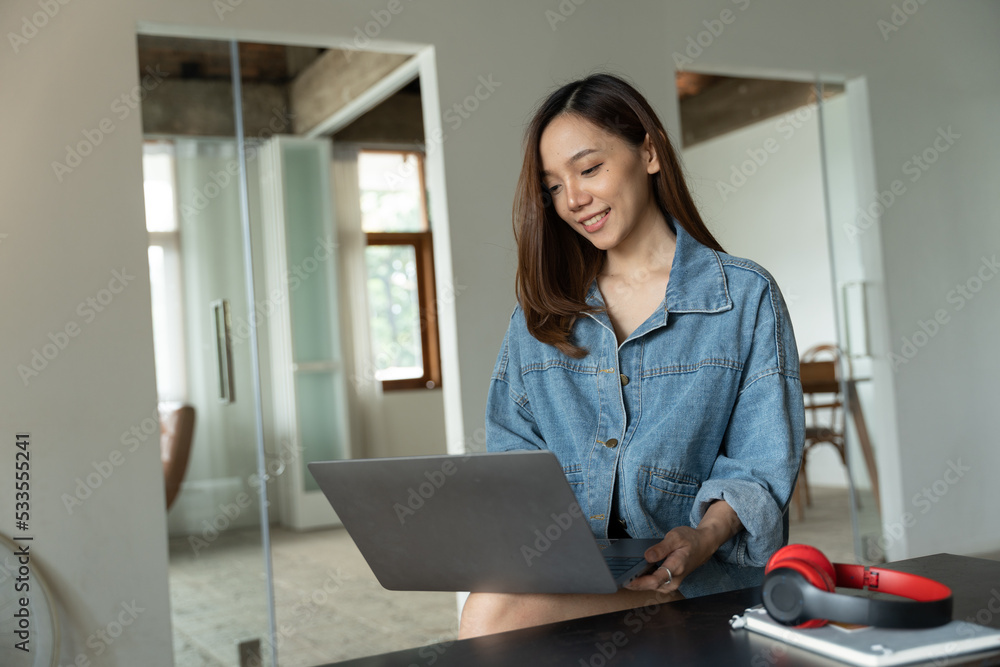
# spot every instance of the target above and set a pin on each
(599, 183)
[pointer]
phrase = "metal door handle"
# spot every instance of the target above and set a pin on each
(224, 349)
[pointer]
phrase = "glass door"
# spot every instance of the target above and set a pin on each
(855, 257)
(308, 378)
(198, 202)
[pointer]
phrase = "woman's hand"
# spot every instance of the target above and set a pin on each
(684, 549)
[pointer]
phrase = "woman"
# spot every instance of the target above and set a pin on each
(661, 371)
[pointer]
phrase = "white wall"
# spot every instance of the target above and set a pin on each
(760, 191)
(413, 424)
(776, 217)
(64, 238)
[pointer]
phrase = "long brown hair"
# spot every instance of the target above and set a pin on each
(555, 265)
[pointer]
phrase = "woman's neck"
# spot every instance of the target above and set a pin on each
(648, 249)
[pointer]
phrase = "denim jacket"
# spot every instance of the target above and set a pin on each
(701, 402)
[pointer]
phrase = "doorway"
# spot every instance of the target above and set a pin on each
(320, 400)
(776, 168)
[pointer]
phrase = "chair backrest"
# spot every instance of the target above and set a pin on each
(820, 371)
(819, 377)
(176, 435)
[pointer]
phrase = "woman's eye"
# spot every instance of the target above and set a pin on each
(552, 190)
(592, 169)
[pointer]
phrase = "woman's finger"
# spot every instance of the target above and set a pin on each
(663, 578)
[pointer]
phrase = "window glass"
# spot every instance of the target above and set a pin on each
(393, 301)
(158, 186)
(390, 186)
(164, 271)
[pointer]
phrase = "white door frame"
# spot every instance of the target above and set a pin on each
(424, 65)
(882, 419)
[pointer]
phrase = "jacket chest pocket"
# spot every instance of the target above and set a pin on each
(575, 477)
(667, 498)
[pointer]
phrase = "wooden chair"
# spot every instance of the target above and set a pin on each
(820, 372)
(176, 434)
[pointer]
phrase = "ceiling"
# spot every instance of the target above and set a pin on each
(710, 105)
(713, 105)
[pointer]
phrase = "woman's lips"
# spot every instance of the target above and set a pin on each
(597, 225)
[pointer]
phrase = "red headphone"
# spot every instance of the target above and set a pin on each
(799, 589)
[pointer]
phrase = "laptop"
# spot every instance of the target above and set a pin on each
(502, 522)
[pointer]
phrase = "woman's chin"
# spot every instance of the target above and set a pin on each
(600, 240)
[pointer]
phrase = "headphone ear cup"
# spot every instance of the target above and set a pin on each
(806, 553)
(813, 574)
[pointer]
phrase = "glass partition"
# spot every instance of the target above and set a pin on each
(262, 293)
(197, 212)
(857, 289)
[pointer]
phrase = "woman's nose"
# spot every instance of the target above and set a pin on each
(576, 197)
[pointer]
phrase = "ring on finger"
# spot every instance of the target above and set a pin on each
(670, 576)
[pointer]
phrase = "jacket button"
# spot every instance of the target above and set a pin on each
(611, 443)
(624, 379)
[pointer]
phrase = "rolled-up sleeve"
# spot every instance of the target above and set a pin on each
(510, 425)
(758, 461)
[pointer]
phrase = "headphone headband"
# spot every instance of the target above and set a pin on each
(907, 585)
(798, 590)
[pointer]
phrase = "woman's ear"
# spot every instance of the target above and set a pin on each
(650, 156)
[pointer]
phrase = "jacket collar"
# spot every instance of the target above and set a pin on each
(697, 280)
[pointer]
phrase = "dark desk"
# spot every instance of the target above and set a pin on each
(691, 632)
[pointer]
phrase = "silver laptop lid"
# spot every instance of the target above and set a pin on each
(494, 522)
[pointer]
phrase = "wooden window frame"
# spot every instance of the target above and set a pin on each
(423, 245)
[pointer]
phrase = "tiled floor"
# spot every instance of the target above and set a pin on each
(329, 605)
(827, 524)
